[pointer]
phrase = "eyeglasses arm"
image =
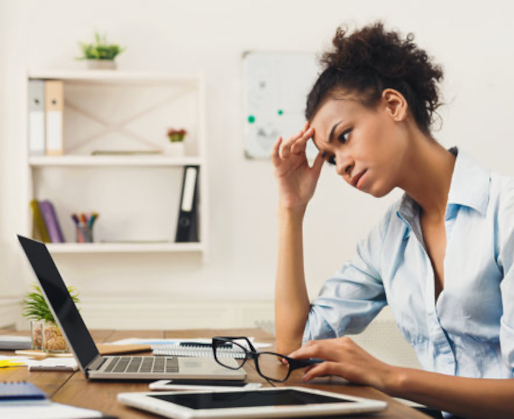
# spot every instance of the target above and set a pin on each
(228, 339)
(302, 363)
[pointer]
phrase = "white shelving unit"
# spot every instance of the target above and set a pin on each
(125, 247)
(149, 161)
(137, 196)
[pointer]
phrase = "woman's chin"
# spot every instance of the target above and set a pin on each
(379, 191)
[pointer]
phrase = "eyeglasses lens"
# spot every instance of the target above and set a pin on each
(231, 354)
(273, 366)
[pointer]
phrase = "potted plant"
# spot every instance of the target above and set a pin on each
(100, 55)
(175, 145)
(44, 331)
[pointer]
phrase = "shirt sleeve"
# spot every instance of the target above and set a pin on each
(352, 298)
(506, 261)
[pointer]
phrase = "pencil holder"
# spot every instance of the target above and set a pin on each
(84, 233)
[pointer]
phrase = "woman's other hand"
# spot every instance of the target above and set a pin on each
(296, 180)
(343, 357)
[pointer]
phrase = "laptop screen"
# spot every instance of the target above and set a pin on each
(59, 299)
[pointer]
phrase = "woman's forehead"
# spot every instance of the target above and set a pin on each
(337, 108)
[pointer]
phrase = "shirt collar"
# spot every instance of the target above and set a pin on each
(469, 187)
(470, 184)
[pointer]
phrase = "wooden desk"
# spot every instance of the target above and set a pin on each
(74, 389)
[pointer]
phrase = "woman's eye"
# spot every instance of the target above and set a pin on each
(343, 138)
(329, 159)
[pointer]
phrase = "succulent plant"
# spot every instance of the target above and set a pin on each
(100, 49)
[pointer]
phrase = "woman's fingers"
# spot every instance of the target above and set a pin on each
(319, 370)
(300, 145)
(300, 138)
(275, 157)
(312, 349)
(318, 163)
(286, 145)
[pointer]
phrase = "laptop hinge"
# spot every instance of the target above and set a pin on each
(96, 363)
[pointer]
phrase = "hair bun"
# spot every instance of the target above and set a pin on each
(378, 59)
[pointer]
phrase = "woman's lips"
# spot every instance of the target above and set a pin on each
(357, 180)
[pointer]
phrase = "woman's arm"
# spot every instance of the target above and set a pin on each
(296, 185)
(291, 298)
(468, 397)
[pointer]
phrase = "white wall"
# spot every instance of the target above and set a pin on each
(473, 43)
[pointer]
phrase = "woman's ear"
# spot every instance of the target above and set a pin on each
(395, 104)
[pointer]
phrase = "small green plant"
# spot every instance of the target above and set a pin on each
(100, 49)
(176, 136)
(35, 307)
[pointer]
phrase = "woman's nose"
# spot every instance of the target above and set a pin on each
(344, 166)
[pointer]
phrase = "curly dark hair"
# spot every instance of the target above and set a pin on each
(370, 60)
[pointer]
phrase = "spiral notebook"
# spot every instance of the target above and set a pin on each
(22, 400)
(197, 350)
(20, 390)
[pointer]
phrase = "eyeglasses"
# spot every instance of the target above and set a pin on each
(270, 365)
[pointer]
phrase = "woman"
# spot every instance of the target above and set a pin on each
(442, 257)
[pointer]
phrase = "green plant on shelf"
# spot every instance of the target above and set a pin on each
(100, 49)
(176, 136)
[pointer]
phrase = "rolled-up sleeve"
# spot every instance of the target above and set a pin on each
(505, 236)
(352, 298)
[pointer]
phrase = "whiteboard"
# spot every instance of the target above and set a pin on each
(275, 89)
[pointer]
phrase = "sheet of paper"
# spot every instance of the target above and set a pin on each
(46, 410)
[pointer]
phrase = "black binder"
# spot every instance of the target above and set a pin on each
(187, 224)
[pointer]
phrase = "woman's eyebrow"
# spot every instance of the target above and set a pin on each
(331, 135)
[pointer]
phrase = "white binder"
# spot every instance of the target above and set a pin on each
(54, 107)
(36, 128)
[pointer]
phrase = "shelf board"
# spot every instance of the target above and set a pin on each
(63, 248)
(112, 77)
(48, 161)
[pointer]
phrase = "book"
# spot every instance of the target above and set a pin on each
(20, 390)
(39, 231)
(187, 223)
(36, 128)
(51, 222)
(11, 343)
(54, 107)
(22, 400)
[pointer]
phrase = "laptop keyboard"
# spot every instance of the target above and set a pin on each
(142, 364)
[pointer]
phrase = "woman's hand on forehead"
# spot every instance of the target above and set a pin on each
(297, 143)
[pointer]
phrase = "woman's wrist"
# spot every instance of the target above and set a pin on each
(295, 211)
(393, 381)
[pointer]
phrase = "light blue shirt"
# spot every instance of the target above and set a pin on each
(469, 331)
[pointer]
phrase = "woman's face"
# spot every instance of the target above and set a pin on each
(366, 145)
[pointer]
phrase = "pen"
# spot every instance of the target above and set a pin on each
(51, 368)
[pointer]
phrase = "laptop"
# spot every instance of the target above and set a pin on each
(96, 366)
